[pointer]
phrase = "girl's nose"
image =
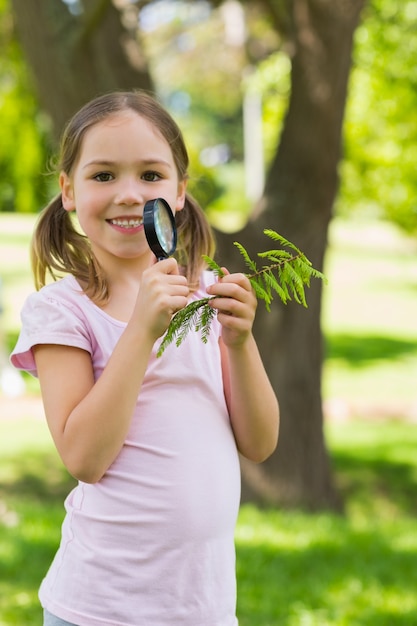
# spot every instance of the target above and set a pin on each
(129, 193)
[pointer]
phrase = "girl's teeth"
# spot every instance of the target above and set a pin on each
(127, 223)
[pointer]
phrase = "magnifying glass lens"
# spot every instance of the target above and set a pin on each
(160, 228)
(163, 228)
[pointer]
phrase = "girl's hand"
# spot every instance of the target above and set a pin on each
(236, 307)
(163, 291)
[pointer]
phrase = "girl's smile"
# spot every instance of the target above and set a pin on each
(127, 225)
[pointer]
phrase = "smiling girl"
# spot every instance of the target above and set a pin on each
(148, 537)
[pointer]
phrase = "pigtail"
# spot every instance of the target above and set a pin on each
(195, 239)
(58, 248)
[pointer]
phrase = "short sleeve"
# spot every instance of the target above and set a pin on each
(47, 320)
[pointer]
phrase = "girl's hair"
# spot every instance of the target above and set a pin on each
(59, 248)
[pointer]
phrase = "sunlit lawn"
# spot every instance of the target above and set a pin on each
(294, 569)
(370, 318)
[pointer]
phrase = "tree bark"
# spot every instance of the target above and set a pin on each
(299, 194)
(77, 57)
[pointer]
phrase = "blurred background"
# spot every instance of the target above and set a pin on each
(298, 116)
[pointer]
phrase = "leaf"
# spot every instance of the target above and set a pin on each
(213, 266)
(275, 256)
(316, 274)
(272, 234)
(181, 323)
(295, 284)
(275, 286)
(206, 315)
(261, 293)
(251, 264)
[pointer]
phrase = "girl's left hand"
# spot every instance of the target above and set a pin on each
(236, 307)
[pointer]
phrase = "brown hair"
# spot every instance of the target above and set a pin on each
(59, 248)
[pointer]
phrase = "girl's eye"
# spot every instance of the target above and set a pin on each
(151, 176)
(103, 177)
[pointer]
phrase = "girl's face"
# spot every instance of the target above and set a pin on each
(123, 163)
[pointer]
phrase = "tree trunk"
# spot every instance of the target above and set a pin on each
(77, 57)
(299, 194)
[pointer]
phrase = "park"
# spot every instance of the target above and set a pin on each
(336, 547)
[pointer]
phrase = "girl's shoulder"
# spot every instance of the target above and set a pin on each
(64, 293)
(61, 289)
(52, 315)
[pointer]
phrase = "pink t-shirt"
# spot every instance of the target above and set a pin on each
(151, 543)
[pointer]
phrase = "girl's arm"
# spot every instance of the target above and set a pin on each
(252, 403)
(89, 420)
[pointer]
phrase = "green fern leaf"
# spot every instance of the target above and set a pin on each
(211, 264)
(206, 315)
(251, 264)
(275, 286)
(316, 274)
(272, 234)
(181, 323)
(296, 285)
(260, 292)
(281, 270)
(275, 256)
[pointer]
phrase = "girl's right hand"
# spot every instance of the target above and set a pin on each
(163, 292)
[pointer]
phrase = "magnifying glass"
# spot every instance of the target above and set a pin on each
(160, 228)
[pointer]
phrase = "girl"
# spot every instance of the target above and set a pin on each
(148, 537)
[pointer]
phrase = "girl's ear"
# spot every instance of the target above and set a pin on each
(67, 192)
(182, 187)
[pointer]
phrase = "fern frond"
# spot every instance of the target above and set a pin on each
(317, 274)
(261, 292)
(275, 286)
(215, 267)
(181, 323)
(296, 283)
(251, 264)
(275, 256)
(272, 234)
(203, 324)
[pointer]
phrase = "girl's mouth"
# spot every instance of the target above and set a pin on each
(126, 223)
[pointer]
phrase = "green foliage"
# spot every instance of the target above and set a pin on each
(24, 143)
(203, 184)
(378, 171)
(380, 132)
(197, 315)
(287, 274)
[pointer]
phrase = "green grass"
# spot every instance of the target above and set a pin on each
(369, 319)
(33, 485)
(294, 569)
(325, 570)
